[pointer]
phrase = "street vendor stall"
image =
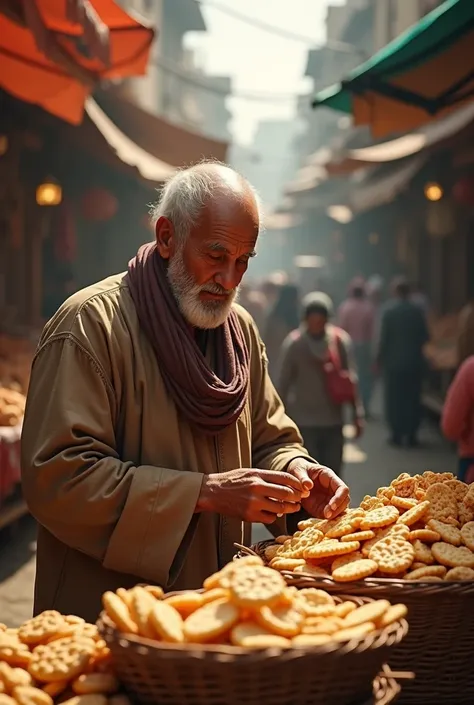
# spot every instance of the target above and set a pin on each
(16, 354)
(424, 73)
(442, 357)
(410, 543)
(245, 637)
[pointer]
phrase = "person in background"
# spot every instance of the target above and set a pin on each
(356, 316)
(400, 357)
(283, 318)
(457, 421)
(302, 383)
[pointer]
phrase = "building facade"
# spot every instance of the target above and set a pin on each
(349, 41)
(175, 87)
(392, 17)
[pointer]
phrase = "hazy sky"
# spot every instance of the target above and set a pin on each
(257, 61)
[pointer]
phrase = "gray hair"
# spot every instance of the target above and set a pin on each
(184, 195)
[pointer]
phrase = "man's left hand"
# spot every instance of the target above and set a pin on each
(328, 495)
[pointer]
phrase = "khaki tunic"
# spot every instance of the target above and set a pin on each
(111, 471)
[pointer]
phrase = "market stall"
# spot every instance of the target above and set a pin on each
(388, 582)
(15, 362)
(441, 355)
(245, 637)
(411, 543)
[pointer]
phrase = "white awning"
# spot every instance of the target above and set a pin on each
(150, 167)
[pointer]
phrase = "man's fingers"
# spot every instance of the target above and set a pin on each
(265, 518)
(301, 472)
(338, 502)
(279, 492)
(281, 478)
(278, 508)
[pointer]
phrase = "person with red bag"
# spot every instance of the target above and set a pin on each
(317, 381)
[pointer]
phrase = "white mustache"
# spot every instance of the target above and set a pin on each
(217, 289)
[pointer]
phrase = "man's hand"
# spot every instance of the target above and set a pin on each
(250, 494)
(328, 494)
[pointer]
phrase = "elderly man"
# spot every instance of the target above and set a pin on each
(153, 435)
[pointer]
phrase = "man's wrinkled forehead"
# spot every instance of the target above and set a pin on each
(236, 210)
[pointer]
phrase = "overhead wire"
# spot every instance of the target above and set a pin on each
(331, 44)
(191, 78)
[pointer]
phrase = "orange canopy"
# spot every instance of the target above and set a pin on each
(54, 52)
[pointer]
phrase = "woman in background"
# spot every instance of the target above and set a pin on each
(302, 381)
(282, 320)
(458, 418)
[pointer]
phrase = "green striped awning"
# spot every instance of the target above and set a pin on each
(426, 71)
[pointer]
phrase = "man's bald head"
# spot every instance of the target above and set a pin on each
(207, 184)
(207, 223)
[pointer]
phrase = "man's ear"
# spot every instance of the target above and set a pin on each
(164, 233)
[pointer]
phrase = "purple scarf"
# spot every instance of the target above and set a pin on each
(209, 400)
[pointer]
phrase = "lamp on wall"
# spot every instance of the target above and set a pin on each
(433, 191)
(49, 193)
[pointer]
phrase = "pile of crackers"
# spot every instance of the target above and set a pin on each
(418, 528)
(53, 658)
(246, 605)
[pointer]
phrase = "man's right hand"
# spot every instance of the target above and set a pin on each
(250, 494)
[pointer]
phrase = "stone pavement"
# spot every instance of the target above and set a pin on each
(370, 463)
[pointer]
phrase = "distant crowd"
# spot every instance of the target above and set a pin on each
(324, 363)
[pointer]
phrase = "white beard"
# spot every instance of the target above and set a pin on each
(200, 314)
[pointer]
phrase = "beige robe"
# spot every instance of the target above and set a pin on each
(111, 471)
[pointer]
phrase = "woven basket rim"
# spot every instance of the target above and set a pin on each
(460, 586)
(392, 634)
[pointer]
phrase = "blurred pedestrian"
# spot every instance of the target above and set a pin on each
(403, 335)
(457, 419)
(317, 379)
(356, 316)
(283, 318)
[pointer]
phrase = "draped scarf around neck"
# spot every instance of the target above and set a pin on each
(210, 400)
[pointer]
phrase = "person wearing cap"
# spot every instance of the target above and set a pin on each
(302, 381)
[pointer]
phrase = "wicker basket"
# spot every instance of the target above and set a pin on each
(171, 674)
(439, 645)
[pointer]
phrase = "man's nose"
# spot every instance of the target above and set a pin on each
(228, 277)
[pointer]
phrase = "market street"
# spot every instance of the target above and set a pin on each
(369, 464)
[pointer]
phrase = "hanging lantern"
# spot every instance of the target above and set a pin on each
(98, 205)
(463, 190)
(433, 191)
(49, 193)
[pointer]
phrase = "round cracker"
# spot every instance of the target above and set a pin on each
(355, 570)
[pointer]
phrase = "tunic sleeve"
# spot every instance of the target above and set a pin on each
(132, 519)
